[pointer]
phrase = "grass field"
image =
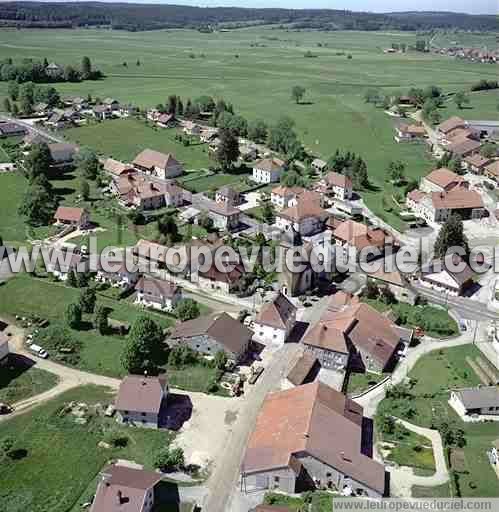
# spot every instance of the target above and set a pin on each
(321, 502)
(434, 374)
(255, 69)
(123, 139)
(25, 295)
(12, 187)
(19, 381)
(53, 471)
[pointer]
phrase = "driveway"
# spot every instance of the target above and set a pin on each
(403, 478)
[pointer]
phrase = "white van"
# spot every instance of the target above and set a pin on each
(37, 350)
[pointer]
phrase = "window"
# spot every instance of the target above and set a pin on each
(143, 414)
(127, 413)
(276, 479)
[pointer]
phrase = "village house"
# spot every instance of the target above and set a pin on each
(4, 348)
(275, 321)
(128, 110)
(213, 333)
(157, 294)
(355, 239)
(312, 436)
(112, 104)
(41, 108)
(283, 197)
(190, 128)
(441, 180)
(116, 168)
(61, 119)
(158, 164)
(71, 216)
(463, 146)
(439, 206)
(140, 399)
(248, 151)
(119, 277)
(304, 370)
(224, 216)
(319, 165)
(479, 402)
(102, 112)
(54, 71)
(437, 276)
(8, 129)
(445, 128)
(337, 186)
(145, 193)
(208, 133)
(225, 282)
(268, 170)
(64, 262)
(62, 153)
(228, 195)
(476, 163)
(406, 132)
(353, 334)
(166, 121)
(306, 217)
(122, 488)
(151, 253)
(492, 171)
(396, 283)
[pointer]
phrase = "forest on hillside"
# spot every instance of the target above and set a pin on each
(136, 17)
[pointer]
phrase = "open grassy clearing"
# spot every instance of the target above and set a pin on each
(435, 321)
(19, 381)
(25, 296)
(360, 382)
(483, 105)
(47, 436)
(12, 187)
(320, 502)
(123, 139)
(435, 374)
(255, 69)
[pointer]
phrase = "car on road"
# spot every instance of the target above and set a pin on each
(38, 351)
(5, 408)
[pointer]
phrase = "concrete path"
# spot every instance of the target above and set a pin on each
(403, 478)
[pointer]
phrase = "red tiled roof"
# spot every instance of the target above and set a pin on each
(68, 213)
(277, 313)
(457, 198)
(140, 394)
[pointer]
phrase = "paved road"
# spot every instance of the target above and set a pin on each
(31, 128)
(222, 483)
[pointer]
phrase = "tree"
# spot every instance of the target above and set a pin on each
(181, 356)
(228, 149)
(82, 279)
(87, 300)
(220, 360)
(172, 103)
(257, 130)
(72, 316)
(187, 309)
(281, 136)
(70, 74)
(6, 105)
(39, 203)
(15, 109)
(71, 279)
(169, 459)
(6, 445)
(396, 171)
(297, 93)
(168, 229)
(85, 190)
(488, 150)
(143, 345)
(38, 161)
(461, 99)
(420, 45)
(268, 212)
(87, 163)
(86, 68)
(100, 322)
(451, 235)
(13, 90)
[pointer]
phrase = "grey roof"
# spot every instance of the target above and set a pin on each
(478, 398)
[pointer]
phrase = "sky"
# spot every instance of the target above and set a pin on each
(467, 6)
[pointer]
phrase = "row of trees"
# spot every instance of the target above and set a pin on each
(29, 70)
(27, 95)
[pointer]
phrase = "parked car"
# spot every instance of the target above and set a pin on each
(38, 351)
(5, 408)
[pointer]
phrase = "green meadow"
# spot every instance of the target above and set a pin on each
(255, 69)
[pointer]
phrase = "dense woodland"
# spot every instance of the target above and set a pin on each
(149, 17)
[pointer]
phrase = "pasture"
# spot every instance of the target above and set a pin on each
(255, 69)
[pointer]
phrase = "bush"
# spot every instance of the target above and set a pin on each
(169, 459)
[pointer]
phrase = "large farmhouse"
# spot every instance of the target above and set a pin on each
(312, 436)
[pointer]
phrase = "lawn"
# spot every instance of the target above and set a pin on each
(434, 320)
(25, 296)
(360, 382)
(12, 227)
(123, 139)
(52, 471)
(433, 376)
(191, 378)
(482, 105)
(270, 61)
(320, 502)
(19, 381)
(215, 181)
